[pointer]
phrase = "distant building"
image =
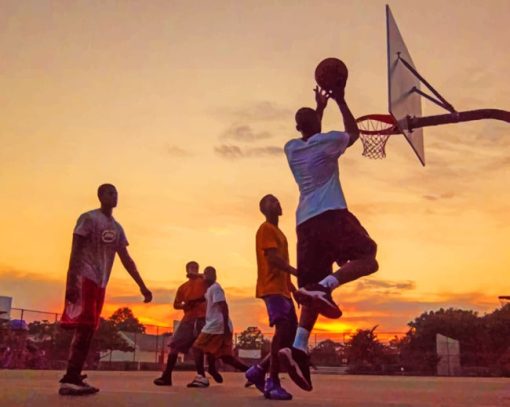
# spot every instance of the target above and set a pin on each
(5, 308)
(147, 348)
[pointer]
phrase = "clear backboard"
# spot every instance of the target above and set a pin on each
(402, 100)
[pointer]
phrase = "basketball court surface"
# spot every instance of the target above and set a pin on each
(39, 388)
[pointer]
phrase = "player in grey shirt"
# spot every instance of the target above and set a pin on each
(97, 237)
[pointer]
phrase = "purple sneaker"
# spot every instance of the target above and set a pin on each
(257, 376)
(274, 391)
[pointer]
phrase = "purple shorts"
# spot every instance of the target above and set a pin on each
(279, 309)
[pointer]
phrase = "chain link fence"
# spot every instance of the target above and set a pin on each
(33, 339)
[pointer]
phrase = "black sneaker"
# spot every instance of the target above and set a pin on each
(318, 297)
(297, 364)
(163, 381)
(70, 386)
(218, 378)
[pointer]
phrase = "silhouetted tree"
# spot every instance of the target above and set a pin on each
(125, 320)
(327, 353)
(365, 354)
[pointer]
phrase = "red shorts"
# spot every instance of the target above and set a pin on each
(87, 309)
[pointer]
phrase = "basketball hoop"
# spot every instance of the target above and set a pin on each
(375, 130)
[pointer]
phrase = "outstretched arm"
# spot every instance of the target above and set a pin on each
(130, 266)
(275, 260)
(187, 305)
(351, 127)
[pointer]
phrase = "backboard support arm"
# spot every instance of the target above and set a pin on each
(444, 103)
(432, 99)
(457, 117)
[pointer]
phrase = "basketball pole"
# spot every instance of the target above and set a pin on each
(457, 117)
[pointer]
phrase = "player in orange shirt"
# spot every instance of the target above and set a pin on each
(274, 287)
(189, 298)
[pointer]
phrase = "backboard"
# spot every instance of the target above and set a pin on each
(5, 308)
(402, 100)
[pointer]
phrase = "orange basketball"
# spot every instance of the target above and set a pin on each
(331, 73)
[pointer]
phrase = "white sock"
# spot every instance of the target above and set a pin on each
(330, 282)
(301, 339)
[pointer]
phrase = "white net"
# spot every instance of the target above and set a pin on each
(375, 131)
(374, 145)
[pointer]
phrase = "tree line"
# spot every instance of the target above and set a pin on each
(484, 345)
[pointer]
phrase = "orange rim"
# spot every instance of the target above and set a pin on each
(377, 124)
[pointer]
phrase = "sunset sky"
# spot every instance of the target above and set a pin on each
(185, 106)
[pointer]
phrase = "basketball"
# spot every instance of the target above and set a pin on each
(331, 73)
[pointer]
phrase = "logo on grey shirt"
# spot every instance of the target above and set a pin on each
(108, 236)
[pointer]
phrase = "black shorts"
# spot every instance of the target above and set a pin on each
(185, 334)
(333, 236)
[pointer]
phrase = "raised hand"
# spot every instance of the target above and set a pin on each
(338, 93)
(321, 97)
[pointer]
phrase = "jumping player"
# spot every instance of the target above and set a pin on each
(326, 231)
(274, 287)
(97, 238)
(190, 298)
(215, 340)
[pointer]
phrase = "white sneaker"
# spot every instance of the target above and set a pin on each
(199, 381)
(76, 386)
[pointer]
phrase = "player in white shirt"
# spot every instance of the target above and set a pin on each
(327, 232)
(216, 337)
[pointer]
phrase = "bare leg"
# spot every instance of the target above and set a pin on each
(355, 269)
(308, 317)
(234, 362)
(199, 361)
(284, 334)
(80, 346)
(170, 364)
(211, 368)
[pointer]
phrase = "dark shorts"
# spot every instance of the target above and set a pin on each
(333, 236)
(280, 308)
(186, 333)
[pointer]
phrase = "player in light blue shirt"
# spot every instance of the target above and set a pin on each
(327, 232)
